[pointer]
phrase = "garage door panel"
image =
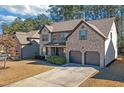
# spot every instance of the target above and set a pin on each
(92, 58)
(75, 57)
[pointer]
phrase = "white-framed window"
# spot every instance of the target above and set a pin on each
(45, 37)
(83, 34)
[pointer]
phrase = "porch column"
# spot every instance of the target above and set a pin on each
(49, 51)
(40, 51)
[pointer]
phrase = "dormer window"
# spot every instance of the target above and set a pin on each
(83, 34)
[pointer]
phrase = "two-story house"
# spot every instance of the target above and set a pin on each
(85, 42)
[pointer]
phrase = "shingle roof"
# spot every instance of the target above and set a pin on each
(49, 27)
(22, 36)
(65, 25)
(33, 34)
(102, 26)
(96, 29)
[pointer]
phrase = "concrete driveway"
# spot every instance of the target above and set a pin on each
(58, 77)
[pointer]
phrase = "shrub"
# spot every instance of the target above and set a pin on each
(59, 60)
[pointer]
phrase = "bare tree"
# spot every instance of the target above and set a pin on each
(10, 45)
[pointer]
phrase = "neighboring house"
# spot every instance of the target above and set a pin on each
(28, 44)
(85, 42)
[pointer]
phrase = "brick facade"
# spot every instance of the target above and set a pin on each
(94, 42)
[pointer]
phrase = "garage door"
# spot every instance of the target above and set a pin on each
(92, 58)
(75, 57)
(29, 51)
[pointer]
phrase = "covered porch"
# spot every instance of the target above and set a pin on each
(54, 50)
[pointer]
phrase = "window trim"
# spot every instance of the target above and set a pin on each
(45, 35)
(83, 37)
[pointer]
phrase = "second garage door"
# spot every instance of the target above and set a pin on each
(92, 58)
(75, 57)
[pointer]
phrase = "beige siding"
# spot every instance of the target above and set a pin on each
(44, 31)
(94, 42)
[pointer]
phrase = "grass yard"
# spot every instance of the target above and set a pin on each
(112, 76)
(19, 70)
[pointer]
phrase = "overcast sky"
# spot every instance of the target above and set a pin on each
(10, 12)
